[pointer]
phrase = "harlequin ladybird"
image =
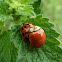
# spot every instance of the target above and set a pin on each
(25, 30)
(37, 37)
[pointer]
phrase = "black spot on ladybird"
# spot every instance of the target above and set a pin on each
(23, 34)
(24, 26)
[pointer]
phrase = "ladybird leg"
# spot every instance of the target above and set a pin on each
(30, 48)
(26, 43)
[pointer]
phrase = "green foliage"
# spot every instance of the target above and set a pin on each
(20, 9)
(5, 47)
(13, 47)
(36, 6)
(26, 1)
(4, 16)
(12, 11)
(1, 25)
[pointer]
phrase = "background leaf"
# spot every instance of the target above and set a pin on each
(4, 16)
(5, 47)
(1, 25)
(26, 1)
(18, 8)
(37, 6)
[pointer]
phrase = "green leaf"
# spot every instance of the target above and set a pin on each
(36, 7)
(14, 52)
(23, 11)
(26, 1)
(15, 35)
(49, 52)
(5, 47)
(1, 25)
(20, 9)
(4, 16)
(15, 42)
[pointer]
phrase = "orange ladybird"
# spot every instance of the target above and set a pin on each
(37, 37)
(25, 30)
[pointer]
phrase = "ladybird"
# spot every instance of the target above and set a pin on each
(37, 37)
(25, 30)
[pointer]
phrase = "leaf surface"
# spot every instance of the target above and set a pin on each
(5, 47)
(4, 16)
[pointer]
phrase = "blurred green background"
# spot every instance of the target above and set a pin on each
(52, 9)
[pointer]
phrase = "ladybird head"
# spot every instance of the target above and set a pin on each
(34, 28)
